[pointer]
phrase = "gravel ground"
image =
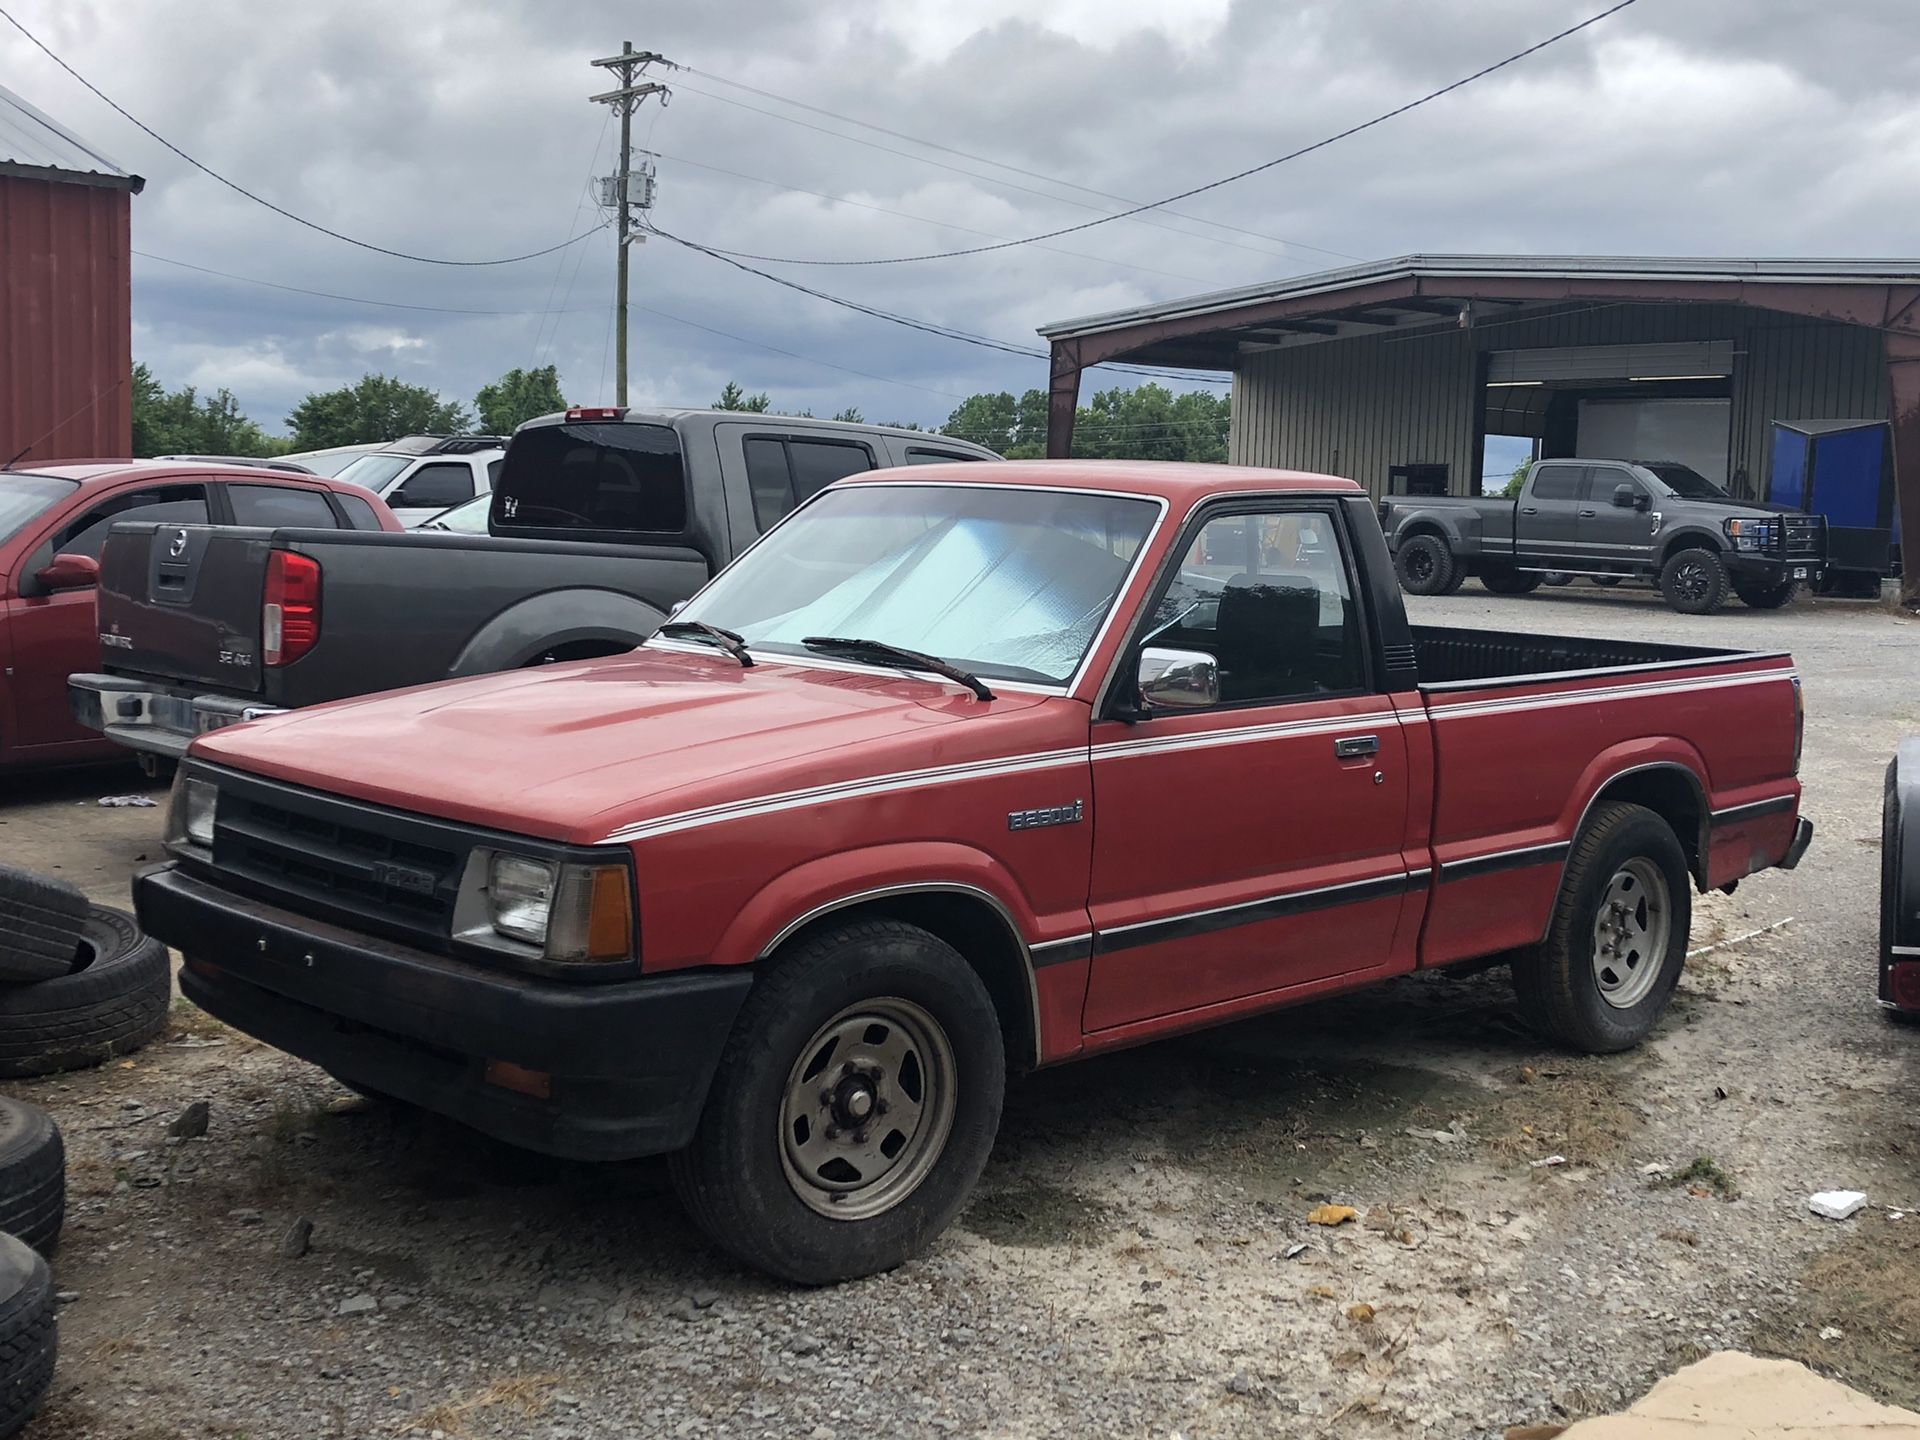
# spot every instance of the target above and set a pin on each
(1138, 1261)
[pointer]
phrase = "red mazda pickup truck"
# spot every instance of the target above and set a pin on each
(960, 770)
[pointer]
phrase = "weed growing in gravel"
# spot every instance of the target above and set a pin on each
(1705, 1173)
(526, 1394)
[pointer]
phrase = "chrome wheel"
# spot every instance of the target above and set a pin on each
(1631, 932)
(869, 1105)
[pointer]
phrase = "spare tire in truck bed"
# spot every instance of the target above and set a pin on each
(40, 920)
(115, 1000)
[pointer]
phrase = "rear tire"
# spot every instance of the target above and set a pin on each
(1618, 939)
(114, 1002)
(1608, 580)
(1509, 582)
(1694, 581)
(1766, 597)
(1425, 565)
(29, 1341)
(40, 920)
(33, 1175)
(853, 1108)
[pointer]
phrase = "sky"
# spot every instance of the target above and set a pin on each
(461, 129)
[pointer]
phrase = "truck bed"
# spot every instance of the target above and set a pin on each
(1450, 658)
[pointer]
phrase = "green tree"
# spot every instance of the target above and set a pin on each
(1518, 480)
(377, 407)
(852, 415)
(516, 397)
(988, 420)
(732, 397)
(179, 422)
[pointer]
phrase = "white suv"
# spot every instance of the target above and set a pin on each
(423, 475)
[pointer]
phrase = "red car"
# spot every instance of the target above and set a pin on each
(961, 769)
(54, 520)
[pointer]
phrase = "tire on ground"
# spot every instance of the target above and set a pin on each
(1766, 597)
(1563, 984)
(1694, 581)
(40, 920)
(33, 1175)
(1509, 582)
(742, 1179)
(28, 1338)
(114, 1002)
(1606, 579)
(1424, 565)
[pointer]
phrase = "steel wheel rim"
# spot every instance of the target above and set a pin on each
(867, 1109)
(1630, 933)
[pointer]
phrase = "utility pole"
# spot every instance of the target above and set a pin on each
(619, 191)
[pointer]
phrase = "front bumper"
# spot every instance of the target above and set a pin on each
(1756, 567)
(152, 718)
(630, 1061)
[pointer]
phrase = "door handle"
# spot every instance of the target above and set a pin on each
(1588, 514)
(1528, 510)
(1352, 746)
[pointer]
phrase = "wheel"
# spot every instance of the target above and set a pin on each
(1425, 565)
(1556, 577)
(1694, 582)
(1509, 582)
(39, 926)
(33, 1175)
(28, 1338)
(853, 1108)
(1608, 580)
(1766, 597)
(1619, 935)
(1454, 580)
(115, 1000)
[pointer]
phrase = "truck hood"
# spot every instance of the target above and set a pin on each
(574, 752)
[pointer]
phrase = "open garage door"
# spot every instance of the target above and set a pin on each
(1694, 432)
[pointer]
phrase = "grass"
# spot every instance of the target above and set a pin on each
(525, 1394)
(1867, 1285)
(1703, 1173)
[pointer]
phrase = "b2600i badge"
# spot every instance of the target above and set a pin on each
(1051, 815)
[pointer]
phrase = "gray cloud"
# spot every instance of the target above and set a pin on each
(462, 130)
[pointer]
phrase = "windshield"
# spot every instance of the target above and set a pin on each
(1004, 582)
(467, 519)
(1684, 480)
(22, 497)
(375, 471)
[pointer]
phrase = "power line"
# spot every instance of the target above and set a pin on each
(998, 164)
(240, 189)
(1238, 175)
(349, 299)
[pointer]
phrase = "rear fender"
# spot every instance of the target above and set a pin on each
(1662, 772)
(524, 630)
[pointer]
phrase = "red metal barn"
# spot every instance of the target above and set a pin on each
(66, 318)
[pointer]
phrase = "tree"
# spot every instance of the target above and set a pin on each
(988, 420)
(852, 415)
(516, 397)
(378, 407)
(180, 423)
(1518, 481)
(734, 398)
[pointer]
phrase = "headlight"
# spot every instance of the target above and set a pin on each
(570, 913)
(1750, 534)
(191, 812)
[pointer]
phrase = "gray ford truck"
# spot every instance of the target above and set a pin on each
(1613, 520)
(602, 521)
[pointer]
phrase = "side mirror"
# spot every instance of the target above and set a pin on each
(69, 572)
(1178, 679)
(1630, 497)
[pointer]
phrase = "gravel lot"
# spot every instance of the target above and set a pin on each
(1138, 1261)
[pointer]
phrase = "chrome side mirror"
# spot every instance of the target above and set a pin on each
(1178, 679)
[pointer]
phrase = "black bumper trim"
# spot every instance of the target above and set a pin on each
(1802, 838)
(631, 1061)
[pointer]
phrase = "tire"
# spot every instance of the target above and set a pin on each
(1509, 582)
(29, 1340)
(1693, 581)
(1608, 580)
(1424, 565)
(114, 1002)
(1556, 578)
(1766, 597)
(33, 1175)
(1455, 580)
(40, 920)
(758, 1176)
(1601, 1000)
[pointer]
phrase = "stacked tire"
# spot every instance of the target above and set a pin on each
(33, 1205)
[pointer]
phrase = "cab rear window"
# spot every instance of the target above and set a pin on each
(592, 479)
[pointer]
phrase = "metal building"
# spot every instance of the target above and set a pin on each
(1395, 373)
(66, 292)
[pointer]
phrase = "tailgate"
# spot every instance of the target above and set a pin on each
(182, 602)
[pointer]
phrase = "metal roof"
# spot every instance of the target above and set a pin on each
(1519, 267)
(35, 146)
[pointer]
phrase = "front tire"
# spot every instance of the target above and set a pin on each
(853, 1108)
(1424, 565)
(1509, 582)
(1618, 940)
(1694, 581)
(1766, 597)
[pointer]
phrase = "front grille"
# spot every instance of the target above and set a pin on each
(1806, 537)
(316, 854)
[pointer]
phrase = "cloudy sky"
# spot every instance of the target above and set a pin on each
(461, 129)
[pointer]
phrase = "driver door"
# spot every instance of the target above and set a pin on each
(1252, 846)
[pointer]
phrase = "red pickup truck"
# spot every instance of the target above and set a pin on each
(961, 770)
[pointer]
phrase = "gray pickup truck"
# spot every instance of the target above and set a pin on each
(602, 521)
(1612, 520)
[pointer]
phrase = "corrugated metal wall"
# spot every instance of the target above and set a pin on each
(66, 327)
(1357, 407)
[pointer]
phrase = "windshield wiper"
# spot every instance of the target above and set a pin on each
(726, 640)
(885, 654)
